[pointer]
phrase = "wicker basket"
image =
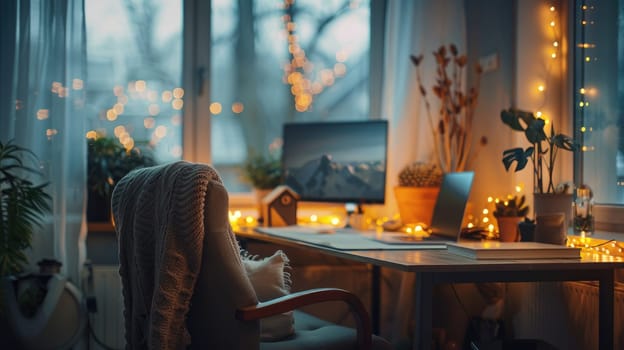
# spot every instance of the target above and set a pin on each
(416, 203)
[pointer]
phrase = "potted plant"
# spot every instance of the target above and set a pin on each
(452, 126)
(23, 203)
(107, 162)
(542, 153)
(264, 173)
(419, 185)
(509, 213)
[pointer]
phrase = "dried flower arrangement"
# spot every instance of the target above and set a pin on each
(452, 126)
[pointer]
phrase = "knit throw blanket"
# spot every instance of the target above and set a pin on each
(158, 214)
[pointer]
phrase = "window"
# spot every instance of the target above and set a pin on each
(599, 101)
(262, 62)
(134, 55)
(282, 61)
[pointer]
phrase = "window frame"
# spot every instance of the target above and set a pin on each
(609, 218)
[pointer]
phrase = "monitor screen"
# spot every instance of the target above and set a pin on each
(336, 161)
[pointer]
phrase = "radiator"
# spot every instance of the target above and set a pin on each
(562, 314)
(582, 299)
(107, 323)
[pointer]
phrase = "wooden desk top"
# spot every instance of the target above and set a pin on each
(424, 260)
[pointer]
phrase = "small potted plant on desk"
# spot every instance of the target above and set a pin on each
(509, 213)
(542, 153)
(417, 192)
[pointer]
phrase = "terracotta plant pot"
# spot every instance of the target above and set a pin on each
(508, 228)
(416, 203)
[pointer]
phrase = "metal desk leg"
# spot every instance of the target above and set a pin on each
(605, 310)
(375, 297)
(423, 300)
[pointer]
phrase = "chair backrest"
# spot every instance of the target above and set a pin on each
(182, 275)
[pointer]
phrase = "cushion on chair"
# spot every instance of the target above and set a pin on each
(270, 281)
(311, 332)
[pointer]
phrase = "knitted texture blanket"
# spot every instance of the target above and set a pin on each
(158, 213)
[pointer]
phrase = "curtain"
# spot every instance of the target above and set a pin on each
(43, 111)
(412, 27)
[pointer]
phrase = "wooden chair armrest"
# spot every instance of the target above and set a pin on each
(313, 296)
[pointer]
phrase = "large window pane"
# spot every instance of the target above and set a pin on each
(134, 53)
(599, 94)
(282, 61)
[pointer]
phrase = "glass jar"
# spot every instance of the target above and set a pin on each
(583, 211)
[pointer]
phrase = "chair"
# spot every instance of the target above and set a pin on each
(183, 280)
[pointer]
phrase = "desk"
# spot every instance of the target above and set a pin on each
(438, 266)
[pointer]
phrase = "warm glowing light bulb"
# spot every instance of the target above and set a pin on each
(215, 108)
(587, 59)
(538, 114)
(581, 104)
(583, 129)
(552, 9)
(541, 88)
(555, 43)
(552, 23)
(553, 55)
(237, 107)
(582, 91)
(313, 218)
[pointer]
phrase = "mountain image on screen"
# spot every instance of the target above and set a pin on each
(324, 178)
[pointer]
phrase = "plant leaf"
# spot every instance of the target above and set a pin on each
(564, 142)
(535, 131)
(518, 155)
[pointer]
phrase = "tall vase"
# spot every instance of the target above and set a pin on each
(547, 204)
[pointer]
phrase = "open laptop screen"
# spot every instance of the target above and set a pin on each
(448, 212)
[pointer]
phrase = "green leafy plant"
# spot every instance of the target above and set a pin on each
(263, 172)
(22, 205)
(108, 161)
(513, 206)
(543, 149)
(451, 127)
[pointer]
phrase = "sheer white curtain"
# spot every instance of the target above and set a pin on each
(42, 110)
(412, 27)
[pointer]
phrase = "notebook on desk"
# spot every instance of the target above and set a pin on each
(448, 213)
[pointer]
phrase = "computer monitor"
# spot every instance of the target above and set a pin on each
(336, 161)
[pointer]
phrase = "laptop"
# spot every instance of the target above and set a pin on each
(448, 212)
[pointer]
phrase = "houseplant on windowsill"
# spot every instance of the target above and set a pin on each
(509, 213)
(264, 173)
(542, 153)
(107, 162)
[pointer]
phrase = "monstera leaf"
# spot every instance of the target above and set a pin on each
(518, 155)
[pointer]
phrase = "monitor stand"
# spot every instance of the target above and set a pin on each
(352, 208)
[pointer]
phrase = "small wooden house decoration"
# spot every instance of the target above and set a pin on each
(279, 208)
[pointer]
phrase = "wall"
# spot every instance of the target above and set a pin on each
(490, 31)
